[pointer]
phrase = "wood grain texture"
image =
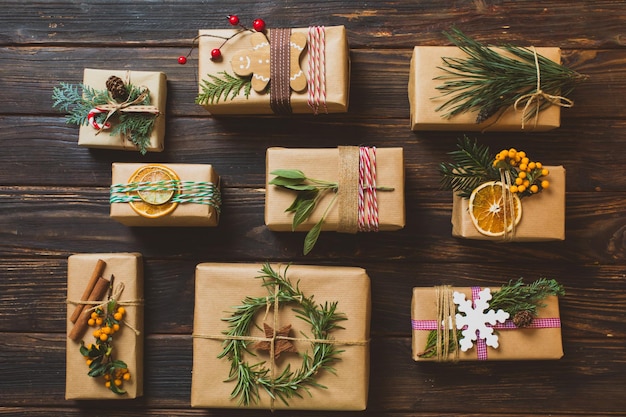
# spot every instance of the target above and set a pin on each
(54, 199)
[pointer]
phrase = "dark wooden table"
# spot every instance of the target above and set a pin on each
(54, 199)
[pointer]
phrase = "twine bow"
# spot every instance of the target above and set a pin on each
(535, 99)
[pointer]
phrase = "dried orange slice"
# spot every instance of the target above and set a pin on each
(154, 202)
(487, 209)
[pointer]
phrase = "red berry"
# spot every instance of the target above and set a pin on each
(233, 19)
(182, 60)
(258, 25)
(216, 53)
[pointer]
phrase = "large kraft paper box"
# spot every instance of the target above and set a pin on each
(514, 344)
(185, 214)
(127, 268)
(424, 97)
(221, 286)
(543, 215)
(336, 74)
(156, 82)
(323, 164)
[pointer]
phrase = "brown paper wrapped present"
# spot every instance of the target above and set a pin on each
(155, 82)
(165, 194)
(127, 269)
(424, 98)
(541, 339)
(221, 287)
(543, 215)
(322, 85)
(326, 164)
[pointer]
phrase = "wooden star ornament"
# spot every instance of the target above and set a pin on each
(280, 345)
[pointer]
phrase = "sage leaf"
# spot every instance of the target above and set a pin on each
(311, 237)
(304, 210)
(303, 196)
(289, 173)
(283, 181)
(301, 187)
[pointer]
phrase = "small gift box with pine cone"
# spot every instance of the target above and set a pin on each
(280, 71)
(117, 109)
(473, 87)
(514, 322)
(297, 339)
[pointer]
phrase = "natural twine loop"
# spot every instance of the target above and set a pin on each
(508, 204)
(535, 99)
(446, 324)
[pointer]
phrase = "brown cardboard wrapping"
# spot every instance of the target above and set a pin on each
(424, 98)
(219, 287)
(128, 346)
(514, 344)
(324, 164)
(185, 214)
(543, 215)
(337, 72)
(157, 84)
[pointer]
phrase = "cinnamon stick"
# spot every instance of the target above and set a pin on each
(97, 273)
(97, 294)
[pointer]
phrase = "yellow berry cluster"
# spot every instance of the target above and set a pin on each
(98, 355)
(528, 173)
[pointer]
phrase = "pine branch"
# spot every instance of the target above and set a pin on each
(223, 87)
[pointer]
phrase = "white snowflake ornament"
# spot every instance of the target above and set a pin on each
(476, 318)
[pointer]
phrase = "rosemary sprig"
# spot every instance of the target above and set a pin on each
(489, 82)
(249, 378)
(223, 87)
(514, 297)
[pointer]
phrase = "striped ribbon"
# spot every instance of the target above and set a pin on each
(368, 220)
(481, 345)
(196, 192)
(316, 39)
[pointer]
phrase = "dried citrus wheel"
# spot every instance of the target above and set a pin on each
(154, 202)
(487, 209)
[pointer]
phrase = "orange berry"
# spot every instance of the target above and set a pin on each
(107, 330)
(126, 376)
(523, 166)
(522, 175)
(116, 327)
(94, 315)
(107, 377)
(532, 165)
(96, 333)
(99, 321)
(518, 181)
(117, 382)
(91, 322)
(104, 337)
(513, 188)
(107, 384)
(522, 155)
(534, 188)
(89, 361)
(544, 172)
(539, 165)
(121, 310)
(118, 316)
(545, 184)
(521, 188)
(526, 183)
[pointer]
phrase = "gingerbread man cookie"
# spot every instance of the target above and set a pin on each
(256, 61)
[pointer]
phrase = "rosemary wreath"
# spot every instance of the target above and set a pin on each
(323, 319)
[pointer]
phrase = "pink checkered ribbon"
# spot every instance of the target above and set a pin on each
(368, 202)
(316, 81)
(481, 345)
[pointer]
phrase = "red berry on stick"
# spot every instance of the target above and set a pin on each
(216, 54)
(258, 25)
(233, 19)
(182, 60)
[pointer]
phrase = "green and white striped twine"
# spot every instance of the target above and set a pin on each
(197, 192)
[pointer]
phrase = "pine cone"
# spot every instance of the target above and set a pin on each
(485, 113)
(523, 318)
(116, 87)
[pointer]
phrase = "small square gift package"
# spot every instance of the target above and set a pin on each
(473, 87)
(271, 336)
(118, 109)
(514, 322)
(506, 198)
(165, 194)
(278, 70)
(345, 189)
(105, 324)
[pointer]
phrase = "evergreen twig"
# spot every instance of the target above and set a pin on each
(223, 87)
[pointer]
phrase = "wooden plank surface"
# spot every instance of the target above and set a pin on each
(54, 199)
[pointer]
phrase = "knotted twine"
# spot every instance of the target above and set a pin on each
(534, 99)
(508, 205)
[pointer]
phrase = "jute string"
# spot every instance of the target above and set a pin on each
(446, 324)
(535, 99)
(508, 205)
(280, 93)
(347, 201)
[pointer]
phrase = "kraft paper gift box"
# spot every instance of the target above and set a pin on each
(155, 82)
(222, 286)
(181, 209)
(327, 89)
(324, 164)
(424, 98)
(539, 341)
(543, 215)
(127, 268)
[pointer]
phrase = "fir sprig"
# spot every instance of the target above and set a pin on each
(137, 127)
(323, 319)
(489, 82)
(472, 165)
(514, 297)
(218, 88)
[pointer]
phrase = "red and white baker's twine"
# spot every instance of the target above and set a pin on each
(91, 119)
(317, 69)
(368, 202)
